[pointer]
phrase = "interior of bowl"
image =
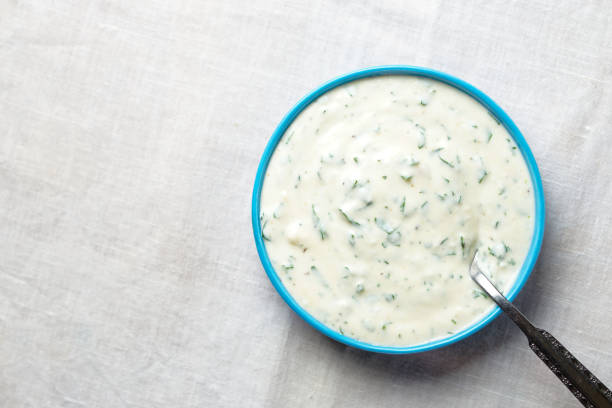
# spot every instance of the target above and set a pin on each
(495, 110)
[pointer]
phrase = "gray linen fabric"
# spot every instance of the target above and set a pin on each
(130, 132)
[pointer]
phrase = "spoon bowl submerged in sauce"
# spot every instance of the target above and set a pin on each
(371, 195)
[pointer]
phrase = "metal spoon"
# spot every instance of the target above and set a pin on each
(581, 382)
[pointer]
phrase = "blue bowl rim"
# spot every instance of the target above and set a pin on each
(493, 108)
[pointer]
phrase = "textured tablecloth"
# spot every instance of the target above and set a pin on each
(130, 132)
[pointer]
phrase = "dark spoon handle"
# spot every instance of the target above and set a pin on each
(591, 392)
(577, 378)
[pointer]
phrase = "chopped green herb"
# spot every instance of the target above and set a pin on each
(289, 265)
(489, 136)
(289, 137)
(454, 321)
(423, 103)
(351, 240)
(407, 179)
(348, 218)
(359, 288)
(496, 251)
(483, 175)
(477, 293)
(355, 159)
(403, 205)
(421, 143)
(318, 224)
(446, 162)
(263, 234)
(424, 204)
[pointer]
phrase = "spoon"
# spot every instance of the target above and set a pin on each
(591, 392)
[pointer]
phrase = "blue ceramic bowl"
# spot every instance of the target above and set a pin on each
(536, 240)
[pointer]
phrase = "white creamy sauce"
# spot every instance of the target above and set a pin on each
(377, 196)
